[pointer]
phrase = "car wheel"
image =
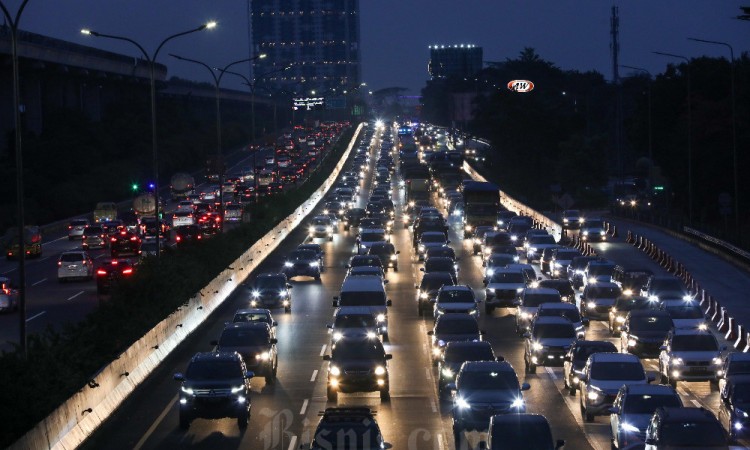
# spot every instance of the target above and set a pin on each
(288, 309)
(317, 277)
(395, 268)
(714, 385)
(420, 311)
(185, 420)
(243, 420)
(488, 308)
(458, 435)
(332, 395)
(588, 418)
(386, 338)
(385, 394)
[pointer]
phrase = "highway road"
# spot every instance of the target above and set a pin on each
(284, 415)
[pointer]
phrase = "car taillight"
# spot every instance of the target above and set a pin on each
(6, 291)
(200, 237)
(70, 227)
(59, 263)
(178, 239)
(114, 239)
(134, 238)
(127, 271)
(101, 272)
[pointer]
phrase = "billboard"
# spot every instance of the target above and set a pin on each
(308, 103)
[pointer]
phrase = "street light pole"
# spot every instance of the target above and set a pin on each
(734, 131)
(217, 83)
(650, 135)
(154, 142)
(690, 138)
(13, 25)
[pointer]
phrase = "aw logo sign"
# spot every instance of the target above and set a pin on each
(520, 86)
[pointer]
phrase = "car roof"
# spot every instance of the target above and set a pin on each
(270, 275)
(738, 356)
(458, 287)
(541, 291)
(362, 283)
(606, 284)
(551, 320)
(614, 357)
(484, 366)
(253, 311)
(684, 414)
(650, 389)
(364, 310)
(239, 325)
(560, 305)
(216, 356)
(592, 343)
(648, 313)
(468, 344)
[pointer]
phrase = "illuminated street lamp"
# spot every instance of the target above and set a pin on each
(152, 67)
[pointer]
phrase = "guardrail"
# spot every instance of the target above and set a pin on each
(718, 242)
(76, 419)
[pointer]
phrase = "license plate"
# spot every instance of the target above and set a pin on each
(698, 369)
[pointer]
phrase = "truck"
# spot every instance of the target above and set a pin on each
(416, 188)
(144, 205)
(481, 203)
(32, 242)
(181, 185)
(215, 166)
(105, 211)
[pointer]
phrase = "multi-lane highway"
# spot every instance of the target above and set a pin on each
(284, 415)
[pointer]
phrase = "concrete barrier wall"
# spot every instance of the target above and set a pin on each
(71, 423)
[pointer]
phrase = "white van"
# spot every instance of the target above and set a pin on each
(369, 291)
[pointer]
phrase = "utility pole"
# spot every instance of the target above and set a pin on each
(615, 49)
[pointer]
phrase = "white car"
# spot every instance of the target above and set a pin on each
(183, 217)
(76, 227)
(685, 313)
(75, 265)
(232, 213)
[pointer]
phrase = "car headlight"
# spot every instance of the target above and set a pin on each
(423, 295)
(593, 394)
(255, 294)
(558, 265)
(740, 412)
(533, 249)
(462, 404)
(653, 298)
(325, 212)
(592, 280)
(187, 390)
(632, 342)
(337, 335)
(447, 373)
(263, 356)
(620, 319)
(585, 233)
(514, 238)
(677, 361)
(341, 211)
(490, 272)
(624, 426)
(380, 318)
(421, 247)
(565, 220)
(380, 370)
(591, 305)
(518, 403)
(394, 257)
(525, 315)
(371, 335)
(703, 326)
(581, 220)
(500, 222)
(288, 264)
(519, 289)
(329, 229)
(314, 264)
(335, 371)
(311, 229)
(237, 389)
(467, 228)
(537, 346)
(716, 361)
(579, 272)
(627, 292)
(441, 343)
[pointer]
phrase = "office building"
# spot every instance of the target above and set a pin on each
(461, 61)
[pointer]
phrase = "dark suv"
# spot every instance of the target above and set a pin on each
(271, 290)
(255, 342)
(352, 427)
(358, 364)
(644, 331)
(214, 386)
(302, 262)
(678, 427)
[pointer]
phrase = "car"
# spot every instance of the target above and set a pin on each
(353, 321)
(255, 315)
(387, 253)
(366, 291)
(428, 288)
(644, 332)
(365, 261)
(684, 313)
(529, 274)
(598, 271)
(597, 300)
(528, 302)
(74, 265)
(321, 227)
(94, 236)
(110, 272)
(318, 251)
(348, 427)
(430, 239)
(188, 233)
(302, 263)
(685, 428)
(734, 406)
(537, 244)
(369, 236)
(357, 364)
(124, 243)
(572, 219)
(561, 285)
(622, 306)
(592, 230)
(183, 217)
(576, 268)
(215, 385)
(8, 296)
(633, 408)
(455, 354)
(484, 389)
(660, 288)
(735, 363)
(691, 355)
(566, 310)
(547, 342)
(631, 278)
(271, 290)
(575, 360)
(440, 251)
(452, 327)
(441, 264)
(233, 212)
(148, 246)
(76, 227)
(366, 271)
(503, 218)
(502, 288)
(352, 217)
(479, 235)
(521, 431)
(603, 376)
(255, 342)
(560, 260)
(456, 299)
(497, 261)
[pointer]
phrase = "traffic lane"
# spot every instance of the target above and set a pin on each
(153, 403)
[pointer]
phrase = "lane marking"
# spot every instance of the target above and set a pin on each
(304, 408)
(45, 258)
(58, 239)
(551, 372)
(292, 443)
(39, 282)
(156, 423)
(314, 374)
(682, 391)
(74, 296)
(35, 316)
(323, 350)
(99, 256)
(696, 403)
(433, 406)
(427, 373)
(11, 270)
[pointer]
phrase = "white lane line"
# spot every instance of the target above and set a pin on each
(292, 443)
(304, 408)
(440, 438)
(58, 239)
(39, 282)
(156, 423)
(551, 372)
(314, 374)
(323, 350)
(427, 373)
(35, 316)
(696, 403)
(682, 391)
(433, 406)
(99, 256)
(11, 270)
(74, 296)
(45, 258)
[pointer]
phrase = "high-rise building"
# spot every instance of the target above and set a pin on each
(318, 38)
(460, 61)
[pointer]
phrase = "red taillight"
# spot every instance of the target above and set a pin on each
(6, 291)
(70, 227)
(114, 262)
(113, 239)
(134, 238)
(101, 272)
(178, 239)
(127, 271)
(123, 232)
(59, 264)
(200, 237)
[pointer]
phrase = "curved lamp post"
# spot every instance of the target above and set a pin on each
(152, 63)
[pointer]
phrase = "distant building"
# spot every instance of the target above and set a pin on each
(460, 61)
(320, 38)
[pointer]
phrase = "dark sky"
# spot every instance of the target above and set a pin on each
(574, 34)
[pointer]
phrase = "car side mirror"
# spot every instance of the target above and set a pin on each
(274, 323)
(348, 266)
(421, 269)
(527, 335)
(387, 445)
(560, 444)
(484, 282)
(389, 302)
(335, 303)
(273, 341)
(483, 445)
(525, 386)
(450, 386)
(567, 358)
(651, 378)
(179, 377)
(290, 286)
(539, 279)
(430, 333)
(249, 374)
(329, 326)
(481, 332)
(614, 410)
(663, 348)
(326, 357)
(585, 321)
(385, 281)
(388, 357)
(416, 287)
(448, 242)
(650, 441)
(214, 343)
(398, 252)
(624, 328)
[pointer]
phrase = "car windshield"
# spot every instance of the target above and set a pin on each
(685, 312)
(534, 300)
(457, 326)
(507, 277)
(438, 266)
(582, 352)
(440, 238)
(302, 255)
(499, 260)
(365, 261)
(594, 224)
(502, 380)
(601, 270)
(382, 249)
(346, 436)
(568, 313)
(738, 367)
(462, 353)
(441, 252)
(614, 370)
(572, 213)
(71, 257)
(270, 283)
(213, 370)
(92, 231)
(321, 221)
(366, 270)
(554, 331)
(647, 404)
(534, 240)
(668, 285)
(78, 223)
(370, 223)
(462, 296)
(367, 298)
(240, 337)
(563, 286)
(694, 343)
(370, 350)
(354, 321)
(251, 317)
(372, 237)
(434, 283)
(693, 434)
(651, 323)
(535, 436)
(603, 292)
(566, 255)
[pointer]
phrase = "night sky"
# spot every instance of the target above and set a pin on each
(573, 34)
